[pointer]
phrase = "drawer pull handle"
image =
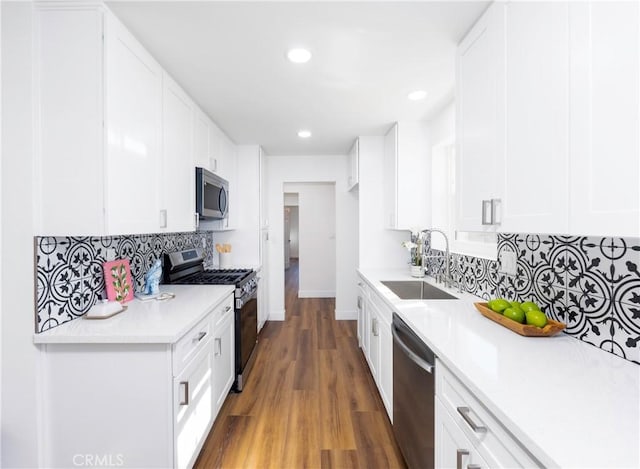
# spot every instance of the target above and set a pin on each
(464, 412)
(218, 342)
(459, 454)
(474, 466)
(185, 386)
(201, 336)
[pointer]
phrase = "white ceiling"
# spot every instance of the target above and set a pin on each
(367, 56)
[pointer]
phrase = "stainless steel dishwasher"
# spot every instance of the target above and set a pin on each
(413, 396)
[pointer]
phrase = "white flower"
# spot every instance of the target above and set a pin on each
(409, 245)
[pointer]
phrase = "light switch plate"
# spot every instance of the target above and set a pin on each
(508, 262)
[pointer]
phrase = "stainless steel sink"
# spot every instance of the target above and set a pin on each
(416, 290)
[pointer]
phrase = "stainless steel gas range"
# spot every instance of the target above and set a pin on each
(187, 267)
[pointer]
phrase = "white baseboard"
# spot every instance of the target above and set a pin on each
(316, 294)
(346, 315)
(276, 316)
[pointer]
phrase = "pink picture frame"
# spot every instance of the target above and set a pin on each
(118, 280)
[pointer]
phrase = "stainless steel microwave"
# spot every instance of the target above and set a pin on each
(212, 195)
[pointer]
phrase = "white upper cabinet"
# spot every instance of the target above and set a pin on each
(353, 166)
(201, 147)
(480, 123)
(537, 72)
(548, 119)
(178, 204)
(133, 101)
(406, 168)
(605, 118)
(110, 137)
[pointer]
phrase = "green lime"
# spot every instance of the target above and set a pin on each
(498, 305)
(530, 306)
(515, 303)
(536, 318)
(515, 314)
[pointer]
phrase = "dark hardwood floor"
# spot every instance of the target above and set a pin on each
(309, 400)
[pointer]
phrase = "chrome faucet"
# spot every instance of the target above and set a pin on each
(448, 280)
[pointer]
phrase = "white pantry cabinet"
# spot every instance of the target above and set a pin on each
(406, 168)
(353, 166)
(480, 123)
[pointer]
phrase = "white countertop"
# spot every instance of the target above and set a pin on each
(144, 321)
(571, 404)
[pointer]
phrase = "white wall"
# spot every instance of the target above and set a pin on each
(317, 231)
(281, 169)
(295, 231)
(379, 247)
(442, 127)
(19, 355)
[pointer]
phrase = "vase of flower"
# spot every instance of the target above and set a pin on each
(415, 247)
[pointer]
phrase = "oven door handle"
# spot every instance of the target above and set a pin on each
(425, 365)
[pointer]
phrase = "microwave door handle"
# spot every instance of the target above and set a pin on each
(222, 201)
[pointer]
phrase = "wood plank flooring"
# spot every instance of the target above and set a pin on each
(309, 400)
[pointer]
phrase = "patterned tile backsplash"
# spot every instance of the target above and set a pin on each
(69, 276)
(592, 284)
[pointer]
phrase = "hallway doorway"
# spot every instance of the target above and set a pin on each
(310, 239)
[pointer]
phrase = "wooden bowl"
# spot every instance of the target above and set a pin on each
(552, 327)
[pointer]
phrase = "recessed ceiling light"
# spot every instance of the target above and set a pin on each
(299, 55)
(304, 133)
(417, 95)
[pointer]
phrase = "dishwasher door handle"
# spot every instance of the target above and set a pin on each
(425, 365)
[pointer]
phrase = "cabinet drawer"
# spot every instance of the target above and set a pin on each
(222, 311)
(491, 439)
(383, 309)
(193, 406)
(190, 344)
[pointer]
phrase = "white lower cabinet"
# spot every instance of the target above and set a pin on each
(453, 448)
(463, 423)
(192, 406)
(223, 355)
(136, 404)
(374, 329)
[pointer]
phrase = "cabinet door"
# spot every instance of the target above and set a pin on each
(201, 140)
(223, 360)
(385, 376)
(453, 449)
(535, 196)
(177, 165)
(69, 171)
(134, 121)
(193, 413)
(373, 351)
(480, 118)
(605, 118)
